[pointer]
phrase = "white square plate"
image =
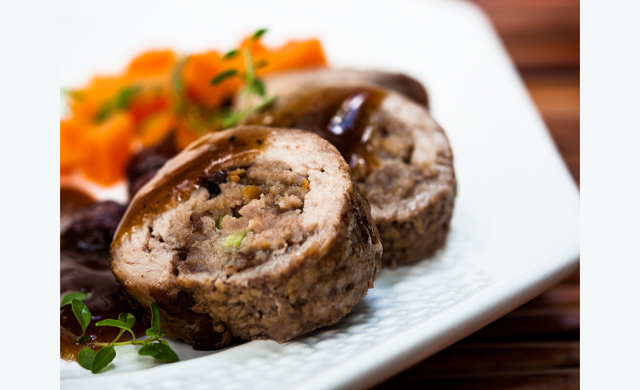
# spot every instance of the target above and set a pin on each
(515, 229)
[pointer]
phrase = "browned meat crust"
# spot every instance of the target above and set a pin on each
(285, 82)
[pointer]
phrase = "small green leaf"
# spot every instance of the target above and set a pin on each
(120, 101)
(114, 323)
(230, 54)
(82, 313)
(85, 357)
(117, 324)
(153, 332)
(161, 351)
(102, 359)
(223, 76)
(66, 300)
(125, 96)
(260, 64)
(155, 316)
(258, 34)
(128, 319)
(148, 350)
(104, 111)
(165, 353)
(219, 221)
(234, 239)
(258, 86)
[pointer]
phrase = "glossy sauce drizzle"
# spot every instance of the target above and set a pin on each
(344, 116)
(211, 153)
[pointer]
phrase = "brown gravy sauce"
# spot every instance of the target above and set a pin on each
(89, 272)
(344, 116)
(212, 153)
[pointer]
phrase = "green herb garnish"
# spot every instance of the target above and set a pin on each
(85, 357)
(259, 33)
(97, 361)
(75, 95)
(219, 221)
(119, 102)
(231, 54)
(154, 330)
(260, 64)
(177, 85)
(161, 351)
(102, 358)
(234, 239)
(66, 300)
(223, 76)
(253, 86)
(199, 118)
(83, 315)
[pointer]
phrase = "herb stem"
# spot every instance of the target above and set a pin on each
(97, 361)
(119, 334)
(248, 63)
(110, 344)
(130, 342)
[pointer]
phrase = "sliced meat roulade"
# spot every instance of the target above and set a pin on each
(252, 232)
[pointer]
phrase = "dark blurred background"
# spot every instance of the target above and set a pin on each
(537, 346)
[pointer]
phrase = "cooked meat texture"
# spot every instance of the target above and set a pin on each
(269, 247)
(282, 83)
(404, 167)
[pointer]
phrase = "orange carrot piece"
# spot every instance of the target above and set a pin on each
(147, 104)
(198, 72)
(258, 50)
(295, 55)
(71, 146)
(91, 98)
(155, 128)
(101, 149)
(152, 63)
(108, 146)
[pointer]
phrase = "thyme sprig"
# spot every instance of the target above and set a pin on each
(97, 361)
(252, 85)
(119, 102)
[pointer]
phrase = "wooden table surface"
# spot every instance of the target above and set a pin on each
(537, 346)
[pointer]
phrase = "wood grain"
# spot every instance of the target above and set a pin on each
(537, 346)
